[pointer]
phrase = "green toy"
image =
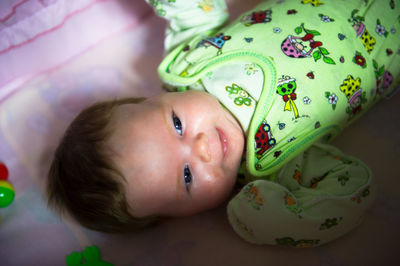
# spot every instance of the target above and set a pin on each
(6, 189)
(6, 194)
(89, 257)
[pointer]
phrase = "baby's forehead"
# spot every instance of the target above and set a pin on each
(153, 108)
(135, 121)
(121, 122)
(130, 111)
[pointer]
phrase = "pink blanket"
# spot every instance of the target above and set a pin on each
(57, 56)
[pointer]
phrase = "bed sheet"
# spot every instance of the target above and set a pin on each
(47, 77)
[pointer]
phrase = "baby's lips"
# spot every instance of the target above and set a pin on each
(224, 142)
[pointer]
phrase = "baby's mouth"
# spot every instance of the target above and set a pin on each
(224, 142)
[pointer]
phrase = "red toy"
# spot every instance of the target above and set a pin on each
(3, 172)
(6, 189)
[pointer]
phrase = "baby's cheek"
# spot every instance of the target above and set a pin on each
(207, 194)
(224, 184)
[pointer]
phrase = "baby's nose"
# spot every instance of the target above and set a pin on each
(201, 148)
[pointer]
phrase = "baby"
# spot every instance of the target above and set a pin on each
(252, 103)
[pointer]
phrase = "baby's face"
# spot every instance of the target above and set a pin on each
(179, 152)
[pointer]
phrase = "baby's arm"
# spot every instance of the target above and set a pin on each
(320, 195)
(188, 18)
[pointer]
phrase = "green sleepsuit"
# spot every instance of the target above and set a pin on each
(294, 74)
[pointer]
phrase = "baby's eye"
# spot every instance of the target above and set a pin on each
(188, 177)
(177, 124)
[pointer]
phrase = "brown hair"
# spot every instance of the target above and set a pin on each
(84, 181)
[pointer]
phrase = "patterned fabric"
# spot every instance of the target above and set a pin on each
(189, 18)
(299, 47)
(306, 205)
(316, 46)
(38, 31)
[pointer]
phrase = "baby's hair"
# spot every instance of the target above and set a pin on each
(84, 181)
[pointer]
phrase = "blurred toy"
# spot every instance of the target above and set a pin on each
(6, 189)
(89, 257)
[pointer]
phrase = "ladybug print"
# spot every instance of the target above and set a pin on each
(263, 139)
(263, 16)
(311, 75)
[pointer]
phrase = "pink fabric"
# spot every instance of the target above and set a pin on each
(31, 19)
(8, 8)
(37, 35)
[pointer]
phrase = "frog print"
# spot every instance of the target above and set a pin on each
(286, 87)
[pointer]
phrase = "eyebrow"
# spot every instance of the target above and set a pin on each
(164, 114)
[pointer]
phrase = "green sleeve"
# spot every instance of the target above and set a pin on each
(321, 195)
(187, 18)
